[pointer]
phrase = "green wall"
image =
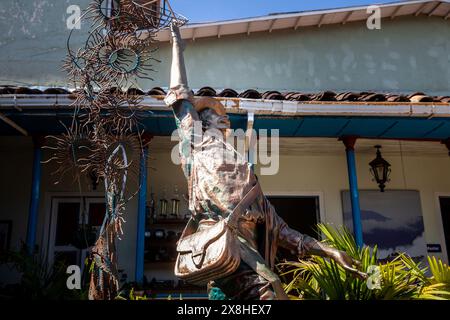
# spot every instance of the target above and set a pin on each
(407, 54)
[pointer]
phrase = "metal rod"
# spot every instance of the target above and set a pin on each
(347, 16)
(272, 24)
(394, 14)
(250, 139)
(419, 11)
(322, 17)
(140, 241)
(297, 23)
(13, 124)
(435, 9)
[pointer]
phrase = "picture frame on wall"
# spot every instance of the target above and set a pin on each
(391, 220)
(5, 235)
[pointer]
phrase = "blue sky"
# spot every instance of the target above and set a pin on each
(213, 10)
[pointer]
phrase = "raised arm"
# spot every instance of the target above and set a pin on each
(180, 98)
(179, 88)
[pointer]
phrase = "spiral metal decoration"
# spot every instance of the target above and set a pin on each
(104, 139)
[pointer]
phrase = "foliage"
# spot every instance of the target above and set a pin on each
(38, 280)
(129, 292)
(124, 295)
(402, 278)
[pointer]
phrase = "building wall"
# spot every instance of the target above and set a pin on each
(407, 54)
(322, 172)
(16, 159)
(319, 170)
(15, 189)
(327, 175)
(33, 41)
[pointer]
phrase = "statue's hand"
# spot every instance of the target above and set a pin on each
(348, 263)
(176, 36)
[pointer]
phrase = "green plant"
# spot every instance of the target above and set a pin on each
(39, 279)
(401, 278)
(123, 295)
(128, 292)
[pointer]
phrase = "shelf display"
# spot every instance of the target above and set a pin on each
(167, 215)
(163, 206)
(152, 207)
(164, 228)
(175, 204)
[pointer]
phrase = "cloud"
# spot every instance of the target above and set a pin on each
(415, 249)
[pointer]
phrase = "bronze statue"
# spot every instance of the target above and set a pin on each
(216, 187)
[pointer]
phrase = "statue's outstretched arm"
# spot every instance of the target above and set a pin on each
(303, 245)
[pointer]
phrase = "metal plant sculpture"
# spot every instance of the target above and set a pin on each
(104, 139)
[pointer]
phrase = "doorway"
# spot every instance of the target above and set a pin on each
(444, 203)
(301, 213)
(74, 227)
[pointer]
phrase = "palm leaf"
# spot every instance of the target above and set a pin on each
(401, 278)
(439, 270)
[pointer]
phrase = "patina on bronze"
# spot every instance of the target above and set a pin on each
(216, 188)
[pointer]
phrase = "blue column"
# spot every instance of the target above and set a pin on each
(140, 241)
(34, 199)
(354, 192)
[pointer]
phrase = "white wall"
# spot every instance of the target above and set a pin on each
(15, 188)
(320, 171)
(325, 173)
(16, 158)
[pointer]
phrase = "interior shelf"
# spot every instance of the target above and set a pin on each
(161, 243)
(169, 222)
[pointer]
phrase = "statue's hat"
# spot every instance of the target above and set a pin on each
(203, 103)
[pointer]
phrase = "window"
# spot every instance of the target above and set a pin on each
(74, 227)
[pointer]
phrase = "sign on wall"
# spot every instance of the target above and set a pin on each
(392, 220)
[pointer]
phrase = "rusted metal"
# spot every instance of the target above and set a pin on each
(13, 124)
(104, 139)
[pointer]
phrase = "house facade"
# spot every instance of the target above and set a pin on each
(330, 85)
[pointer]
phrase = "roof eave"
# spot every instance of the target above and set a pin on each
(256, 106)
(440, 8)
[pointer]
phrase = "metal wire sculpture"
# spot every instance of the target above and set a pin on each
(104, 139)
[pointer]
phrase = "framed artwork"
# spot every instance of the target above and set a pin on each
(392, 220)
(5, 234)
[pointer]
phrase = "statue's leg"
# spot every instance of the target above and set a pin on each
(243, 284)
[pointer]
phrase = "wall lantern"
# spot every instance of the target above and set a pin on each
(380, 169)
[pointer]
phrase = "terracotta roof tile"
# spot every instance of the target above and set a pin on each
(135, 92)
(157, 91)
(325, 96)
(250, 94)
(272, 95)
(206, 92)
(228, 93)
